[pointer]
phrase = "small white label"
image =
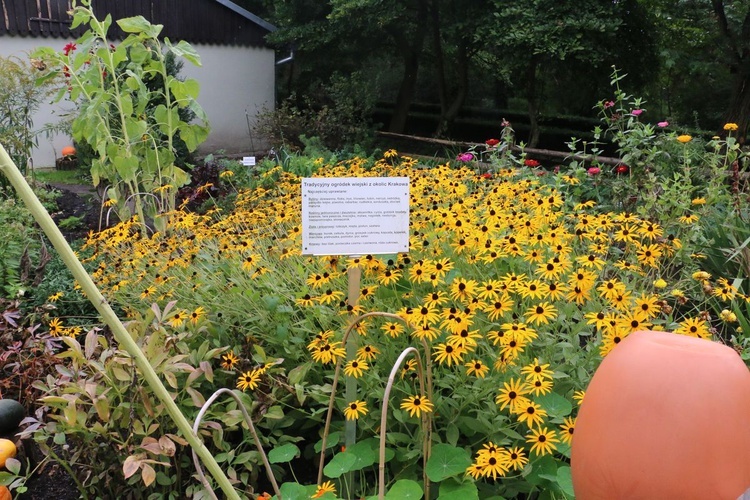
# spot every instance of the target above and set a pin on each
(355, 215)
(248, 161)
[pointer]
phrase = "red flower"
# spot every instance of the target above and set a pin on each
(621, 169)
(594, 171)
(70, 47)
(486, 175)
(492, 142)
(531, 163)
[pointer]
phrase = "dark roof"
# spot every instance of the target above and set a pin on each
(218, 22)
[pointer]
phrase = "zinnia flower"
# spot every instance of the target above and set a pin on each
(684, 138)
(621, 169)
(531, 163)
(594, 171)
(492, 142)
(730, 127)
(663, 124)
(636, 112)
(465, 157)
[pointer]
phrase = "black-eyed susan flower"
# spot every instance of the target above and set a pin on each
(578, 396)
(541, 313)
(415, 405)
(516, 458)
(393, 328)
(566, 430)
(542, 441)
(368, 352)
(448, 354)
(512, 395)
(477, 368)
(229, 361)
(693, 327)
(55, 327)
(248, 380)
(355, 368)
(537, 371)
(177, 319)
(531, 413)
(355, 409)
(198, 314)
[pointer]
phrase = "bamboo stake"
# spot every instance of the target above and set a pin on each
(122, 336)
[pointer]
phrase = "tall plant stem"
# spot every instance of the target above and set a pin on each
(10, 170)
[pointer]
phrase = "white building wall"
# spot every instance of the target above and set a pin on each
(234, 81)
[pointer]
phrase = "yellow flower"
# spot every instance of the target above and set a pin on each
(248, 380)
(355, 368)
(229, 360)
(55, 297)
(327, 487)
(543, 441)
(730, 127)
(660, 283)
(355, 409)
(698, 201)
(684, 138)
(226, 173)
(415, 405)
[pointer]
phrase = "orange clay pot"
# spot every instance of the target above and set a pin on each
(665, 416)
(5, 493)
(68, 151)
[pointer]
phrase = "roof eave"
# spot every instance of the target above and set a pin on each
(248, 15)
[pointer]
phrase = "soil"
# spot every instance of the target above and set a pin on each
(80, 202)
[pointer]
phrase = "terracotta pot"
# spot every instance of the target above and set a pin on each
(665, 416)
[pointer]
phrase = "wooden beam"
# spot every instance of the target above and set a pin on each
(531, 152)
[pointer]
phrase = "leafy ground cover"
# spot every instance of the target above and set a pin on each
(516, 284)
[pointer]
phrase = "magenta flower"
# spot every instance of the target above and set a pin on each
(465, 157)
(594, 171)
(636, 112)
(663, 124)
(609, 104)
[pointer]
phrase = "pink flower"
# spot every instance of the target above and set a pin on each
(594, 171)
(505, 123)
(663, 124)
(636, 112)
(465, 157)
(609, 104)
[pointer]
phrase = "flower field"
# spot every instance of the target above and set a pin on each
(515, 287)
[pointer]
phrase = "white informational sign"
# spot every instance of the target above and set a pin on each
(248, 161)
(355, 215)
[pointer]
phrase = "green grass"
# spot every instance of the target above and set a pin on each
(48, 175)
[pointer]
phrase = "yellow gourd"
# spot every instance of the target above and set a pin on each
(7, 450)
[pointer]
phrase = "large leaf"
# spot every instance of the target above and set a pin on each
(555, 405)
(405, 489)
(565, 481)
(340, 464)
(454, 490)
(284, 453)
(447, 461)
(293, 491)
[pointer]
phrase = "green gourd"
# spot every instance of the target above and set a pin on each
(11, 414)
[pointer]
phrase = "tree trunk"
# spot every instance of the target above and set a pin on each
(739, 106)
(449, 111)
(532, 96)
(412, 49)
(405, 91)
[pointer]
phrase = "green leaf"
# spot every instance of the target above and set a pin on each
(331, 442)
(340, 464)
(126, 166)
(284, 453)
(137, 24)
(555, 405)
(405, 489)
(293, 491)
(366, 453)
(184, 49)
(565, 480)
(446, 461)
(544, 466)
(452, 489)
